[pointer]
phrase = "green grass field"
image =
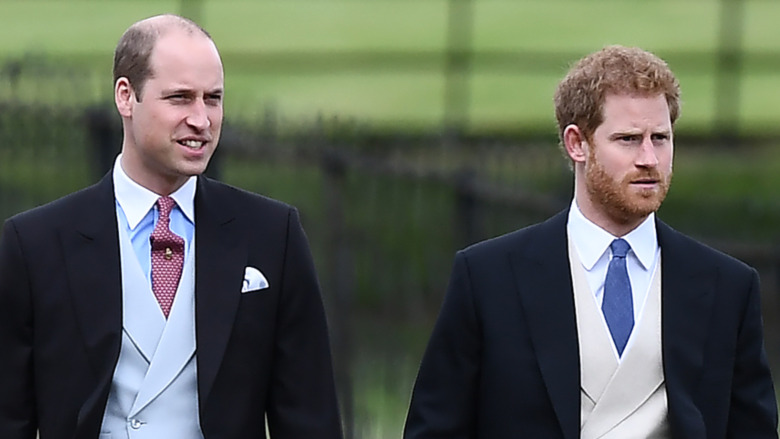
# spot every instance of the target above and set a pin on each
(285, 54)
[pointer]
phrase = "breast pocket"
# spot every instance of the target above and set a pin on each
(256, 314)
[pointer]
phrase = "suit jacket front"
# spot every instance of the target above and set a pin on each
(503, 358)
(264, 353)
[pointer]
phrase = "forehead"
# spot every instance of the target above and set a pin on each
(186, 59)
(622, 111)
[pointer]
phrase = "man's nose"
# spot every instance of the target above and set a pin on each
(198, 116)
(647, 154)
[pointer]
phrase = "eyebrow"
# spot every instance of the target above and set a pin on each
(667, 133)
(218, 91)
(623, 133)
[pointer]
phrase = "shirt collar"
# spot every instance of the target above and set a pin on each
(592, 241)
(136, 200)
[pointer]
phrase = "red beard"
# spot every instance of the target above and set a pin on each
(620, 201)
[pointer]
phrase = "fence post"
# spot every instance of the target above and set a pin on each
(105, 137)
(729, 71)
(460, 24)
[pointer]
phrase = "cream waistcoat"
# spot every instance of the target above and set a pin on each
(619, 399)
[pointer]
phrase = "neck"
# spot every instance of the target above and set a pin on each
(158, 184)
(617, 223)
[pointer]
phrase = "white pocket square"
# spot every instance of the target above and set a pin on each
(253, 280)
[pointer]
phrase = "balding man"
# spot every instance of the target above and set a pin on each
(159, 303)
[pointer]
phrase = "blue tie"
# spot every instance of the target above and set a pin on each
(618, 305)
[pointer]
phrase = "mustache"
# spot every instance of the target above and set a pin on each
(647, 174)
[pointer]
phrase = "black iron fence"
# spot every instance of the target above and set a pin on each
(385, 213)
(384, 210)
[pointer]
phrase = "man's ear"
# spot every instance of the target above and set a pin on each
(575, 143)
(124, 97)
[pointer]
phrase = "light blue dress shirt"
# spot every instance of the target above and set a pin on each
(136, 210)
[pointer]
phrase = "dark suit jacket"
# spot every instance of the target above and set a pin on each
(258, 354)
(503, 359)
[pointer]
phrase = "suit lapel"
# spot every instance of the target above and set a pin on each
(91, 257)
(92, 261)
(543, 280)
(687, 286)
(220, 258)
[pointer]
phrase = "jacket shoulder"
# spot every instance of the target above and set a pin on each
(693, 251)
(249, 203)
(551, 232)
(62, 209)
(223, 189)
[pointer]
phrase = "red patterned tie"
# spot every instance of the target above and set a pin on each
(167, 256)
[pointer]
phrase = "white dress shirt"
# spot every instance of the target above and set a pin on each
(592, 245)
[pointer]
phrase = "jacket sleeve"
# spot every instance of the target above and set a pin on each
(17, 400)
(445, 392)
(753, 412)
(303, 401)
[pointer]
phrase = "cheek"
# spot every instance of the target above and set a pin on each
(616, 167)
(215, 116)
(159, 119)
(665, 161)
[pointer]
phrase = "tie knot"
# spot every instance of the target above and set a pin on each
(165, 205)
(619, 248)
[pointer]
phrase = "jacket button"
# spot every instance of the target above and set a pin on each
(135, 424)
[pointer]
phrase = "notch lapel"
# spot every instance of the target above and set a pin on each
(96, 294)
(220, 257)
(543, 280)
(687, 285)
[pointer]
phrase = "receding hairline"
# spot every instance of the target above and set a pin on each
(159, 25)
(138, 42)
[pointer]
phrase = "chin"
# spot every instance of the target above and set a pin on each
(194, 167)
(643, 206)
